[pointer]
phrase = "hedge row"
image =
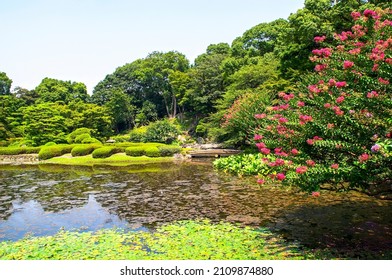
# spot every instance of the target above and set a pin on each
(152, 151)
(105, 152)
(83, 150)
(54, 151)
(19, 150)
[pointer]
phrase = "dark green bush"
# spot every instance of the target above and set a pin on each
(54, 151)
(135, 151)
(83, 150)
(162, 132)
(153, 152)
(107, 151)
(168, 150)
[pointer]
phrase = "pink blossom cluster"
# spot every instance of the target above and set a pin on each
(372, 94)
(348, 64)
(315, 139)
(303, 119)
(301, 169)
(370, 13)
(324, 52)
(319, 39)
(364, 157)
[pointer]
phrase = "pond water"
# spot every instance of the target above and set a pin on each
(41, 200)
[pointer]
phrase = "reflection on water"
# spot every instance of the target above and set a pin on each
(30, 217)
(43, 201)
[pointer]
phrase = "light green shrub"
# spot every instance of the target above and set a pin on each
(135, 151)
(81, 137)
(107, 151)
(83, 150)
(152, 152)
(54, 151)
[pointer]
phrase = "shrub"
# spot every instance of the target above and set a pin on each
(81, 137)
(153, 152)
(83, 150)
(50, 144)
(19, 151)
(166, 150)
(138, 134)
(105, 152)
(135, 151)
(80, 131)
(336, 128)
(161, 131)
(11, 151)
(32, 150)
(54, 151)
(91, 140)
(120, 138)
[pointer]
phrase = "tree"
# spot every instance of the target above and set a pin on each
(5, 84)
(336, 127)
(45, 122)
(145, 79)
(121, 110)
(206, 82)
(53, 90)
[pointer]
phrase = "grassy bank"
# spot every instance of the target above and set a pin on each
(180, 241)
(120, 159)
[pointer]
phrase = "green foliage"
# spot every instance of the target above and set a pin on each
(50, 144)
(81, 137)
(82, 150)
(138, 134)
(187, 240)
(334, 128)
(19, 150)
(169, 150)
(91, 140)
(52, 90)
(48, 152)
(105, 152)
(145, 80)
(135, 151)
(152, 152)
(71, 138)
(246, 164)
(5, 84)
(162, 131)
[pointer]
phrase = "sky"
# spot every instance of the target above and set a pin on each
(85, 40)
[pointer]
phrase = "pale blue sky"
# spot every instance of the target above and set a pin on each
(84, 40)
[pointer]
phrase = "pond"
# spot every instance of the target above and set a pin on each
(41, 200)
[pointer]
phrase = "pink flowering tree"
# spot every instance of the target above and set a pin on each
(336, 128)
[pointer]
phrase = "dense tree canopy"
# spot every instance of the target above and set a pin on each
(5, 84)
(265, 59)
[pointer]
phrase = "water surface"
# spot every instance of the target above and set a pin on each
(42, 200)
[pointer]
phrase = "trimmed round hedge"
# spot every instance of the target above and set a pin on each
(54, 151)
(105, 152)
(152, 152)
(83, 150)
(135, 151)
